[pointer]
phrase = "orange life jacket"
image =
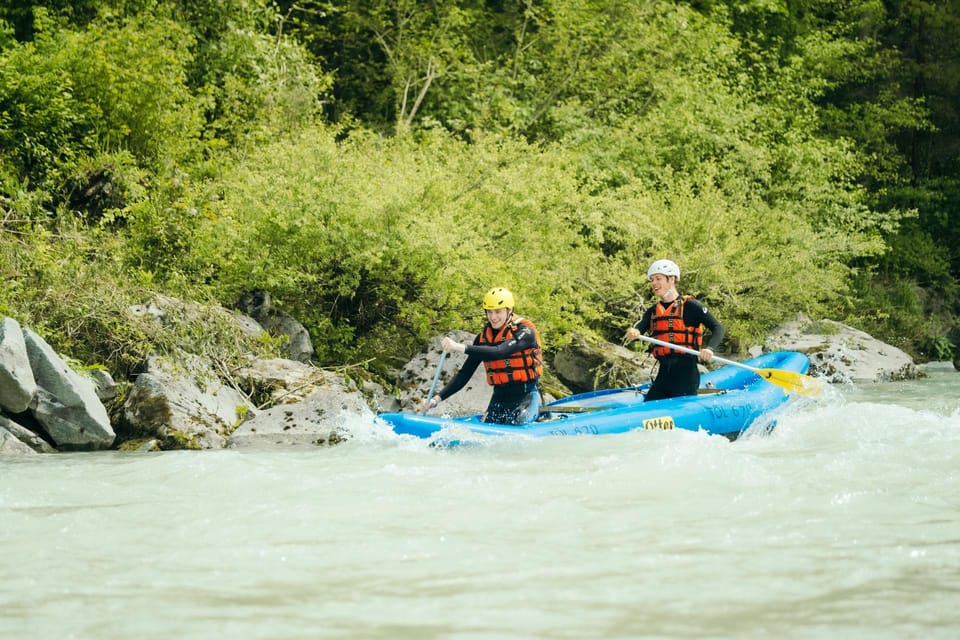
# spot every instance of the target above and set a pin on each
(522, 366)
(667, 324)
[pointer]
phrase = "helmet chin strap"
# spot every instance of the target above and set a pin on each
(666, 294)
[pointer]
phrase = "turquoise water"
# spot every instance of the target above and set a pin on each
(842, 523)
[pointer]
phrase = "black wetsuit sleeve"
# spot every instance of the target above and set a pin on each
(461, 378)
(523, 338)
(644, 325)
(696, 313)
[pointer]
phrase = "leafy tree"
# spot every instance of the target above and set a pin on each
(70, 96)
(255, 78)
(928, 71)
(390, 56)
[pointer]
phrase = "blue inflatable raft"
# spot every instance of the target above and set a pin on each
(731, 399)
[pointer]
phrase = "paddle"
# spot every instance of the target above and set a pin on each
(436, 376)
(570, 409)
(789, 381)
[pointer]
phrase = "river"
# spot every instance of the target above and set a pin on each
(844, 522)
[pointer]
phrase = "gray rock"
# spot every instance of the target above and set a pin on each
(26, 436)
(104, 384)
(842, 354)
(11, 445)
(309, 405)
(17, 384)
(149, 310)
(583, 367)
(316, 420)
(280, 380)
(417, 376)
(258, 305)
(183, 404)
(249, 326)
(66, 403)
(379, 397)
(148, 446)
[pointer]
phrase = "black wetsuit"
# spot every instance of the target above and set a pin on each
(511, 403)
(678, 373)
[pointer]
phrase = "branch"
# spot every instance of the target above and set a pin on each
(431, 74)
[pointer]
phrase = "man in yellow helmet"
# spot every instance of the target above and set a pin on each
(509, 348)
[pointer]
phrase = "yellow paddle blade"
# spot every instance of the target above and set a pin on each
(793, 382)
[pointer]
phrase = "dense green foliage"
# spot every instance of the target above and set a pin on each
(376, 165)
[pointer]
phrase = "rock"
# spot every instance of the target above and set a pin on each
(249, 326)
(26, 436)
(17, 384)
(309, 405)
(379, 397)
(259, 306)
(417, 376)
(11, 445)
(316, 420)
(183, 404)
(66, 403)
(279, 380)
(103, 383)
(148, 446)
(149, 310)
(169, 312)
(842, 354)
(584, 367)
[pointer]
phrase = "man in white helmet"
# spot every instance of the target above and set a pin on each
(679, 320)
(509, 348)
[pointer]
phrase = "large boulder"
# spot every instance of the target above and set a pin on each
(309, 406)
(66, 404)
(11, 445)
(26, 436)
(321, 418)
(183, 404)
(840, 353)
(586, 366)
(274, 381)
(17, 384)
(417, 376)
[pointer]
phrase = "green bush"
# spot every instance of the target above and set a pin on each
(178, 148)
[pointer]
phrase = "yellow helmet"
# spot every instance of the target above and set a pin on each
(498, 298)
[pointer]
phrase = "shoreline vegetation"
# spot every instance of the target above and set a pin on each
(376, 168)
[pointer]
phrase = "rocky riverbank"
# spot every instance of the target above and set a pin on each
(189, 401)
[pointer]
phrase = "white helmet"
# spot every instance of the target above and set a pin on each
(666, 267)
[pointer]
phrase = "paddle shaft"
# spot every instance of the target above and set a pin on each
(436, 376)
(694, 352)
